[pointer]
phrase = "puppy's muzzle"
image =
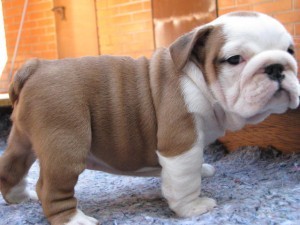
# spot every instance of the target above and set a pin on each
(274, 72)
(276, 64)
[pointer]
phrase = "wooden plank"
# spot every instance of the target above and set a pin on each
(187, 14)
(4, 100)
(279, 131)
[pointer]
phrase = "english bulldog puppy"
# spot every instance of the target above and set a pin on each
(145, 117)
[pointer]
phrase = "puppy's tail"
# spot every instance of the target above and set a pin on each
(20, 78)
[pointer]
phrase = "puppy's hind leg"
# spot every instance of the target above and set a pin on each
(62, 154)
(14, 165)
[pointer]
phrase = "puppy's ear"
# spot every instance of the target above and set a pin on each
(181, 49)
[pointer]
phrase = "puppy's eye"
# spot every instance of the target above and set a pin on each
(291, 51)
(234, 60)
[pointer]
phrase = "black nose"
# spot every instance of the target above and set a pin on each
(274, 72)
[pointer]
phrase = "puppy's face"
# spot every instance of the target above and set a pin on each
(257, 70)
(247, 60)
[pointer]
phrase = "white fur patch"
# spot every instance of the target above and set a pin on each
(207, 170)
(81, 219)
(209, 116)
(20, 193)
(181, 183)
(245, 91)
(249, 92)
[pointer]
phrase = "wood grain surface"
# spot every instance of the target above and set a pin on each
(279, 131)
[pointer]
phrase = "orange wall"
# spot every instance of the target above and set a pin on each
(76, 27)
(286, 11)
(125, 27)
(38, 37)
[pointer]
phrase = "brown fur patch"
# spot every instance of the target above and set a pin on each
(176, 132)
(15, 162)
(111, 94)
(206, 53)
(203, 47)
(120, 109)
(182, 48)
(213, 48)
(70, 107)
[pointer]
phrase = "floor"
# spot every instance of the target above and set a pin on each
(252, 186)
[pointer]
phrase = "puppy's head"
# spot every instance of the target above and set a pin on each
(247, 60)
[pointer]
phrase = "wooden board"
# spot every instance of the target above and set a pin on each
(280, 131)
(76, 28)
(172, 18)
(4, 100)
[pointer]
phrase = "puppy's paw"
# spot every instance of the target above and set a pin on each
(81, 219)
(196, 207)
(20, 193)
(15, 197)
(207, 170)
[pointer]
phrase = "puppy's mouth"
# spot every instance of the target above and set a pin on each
(278, 103)
(279, 91)
(275, 73)
(285, 89)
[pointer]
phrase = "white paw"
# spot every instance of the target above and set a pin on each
(81, 219)
(195, 207)
(20, 193)
(207, 170)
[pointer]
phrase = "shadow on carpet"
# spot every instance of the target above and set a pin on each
(251, 186)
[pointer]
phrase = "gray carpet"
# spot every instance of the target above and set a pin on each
(251, 187)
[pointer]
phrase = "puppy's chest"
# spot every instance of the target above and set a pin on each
(207, 116)
(208, 130)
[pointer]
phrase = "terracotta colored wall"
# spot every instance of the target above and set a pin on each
(286, 11)
(38, 37)
(76, 28)
(173, 18)
(125, 27)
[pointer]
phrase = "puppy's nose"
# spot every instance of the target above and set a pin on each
(274, 72)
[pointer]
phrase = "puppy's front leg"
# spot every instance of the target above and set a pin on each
(181, 183)
(207, 170)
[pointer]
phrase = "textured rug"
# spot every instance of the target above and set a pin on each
(251, 186)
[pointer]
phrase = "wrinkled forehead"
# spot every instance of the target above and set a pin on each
(254, 30)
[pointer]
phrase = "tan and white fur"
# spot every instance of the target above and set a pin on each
(145, 117)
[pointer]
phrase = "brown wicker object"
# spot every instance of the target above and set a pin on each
(279, 131)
